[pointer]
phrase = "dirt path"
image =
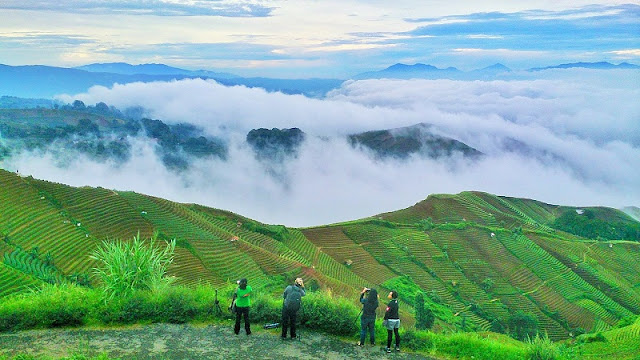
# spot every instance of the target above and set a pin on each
(169, 341)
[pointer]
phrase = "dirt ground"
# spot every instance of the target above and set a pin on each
(169, 341)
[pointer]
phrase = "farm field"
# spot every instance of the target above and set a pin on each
(478, 256)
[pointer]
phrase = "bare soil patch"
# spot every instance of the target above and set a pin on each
(170, 341)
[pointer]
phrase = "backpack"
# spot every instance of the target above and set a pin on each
(293, 300)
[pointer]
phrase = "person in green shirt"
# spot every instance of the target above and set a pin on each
(242, 297)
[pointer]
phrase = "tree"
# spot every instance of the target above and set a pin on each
(424, 315)
(523, 326)
(78, 105)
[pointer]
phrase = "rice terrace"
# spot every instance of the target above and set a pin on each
(497, 275)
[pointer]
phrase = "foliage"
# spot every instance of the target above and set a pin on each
(278, 232)
(424, 314)
(129, 266)
(52, 306)
(328, 313)
(523, 326)
(425, 224)
(541, 348)
(588, 225)
(589, 338)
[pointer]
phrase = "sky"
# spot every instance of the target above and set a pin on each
(311, 38)
(561, 136)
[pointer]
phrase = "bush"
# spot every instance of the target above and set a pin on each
(523, 326)
(590, 338)
(334, 315)
(53, 306)
(541, 348)
(418, 340)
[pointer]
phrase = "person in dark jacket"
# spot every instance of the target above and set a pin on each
(292, 301)
(369, 299)
(392, 321)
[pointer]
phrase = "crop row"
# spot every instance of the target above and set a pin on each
(13, 281)
(569, 280)
(213, 245)
(335, 243)
(257, 239)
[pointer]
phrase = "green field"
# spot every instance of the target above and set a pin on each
(478, 258)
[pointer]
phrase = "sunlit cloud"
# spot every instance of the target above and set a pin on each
(140, 7)
(627, 53)
(483, 36)
(501, 53)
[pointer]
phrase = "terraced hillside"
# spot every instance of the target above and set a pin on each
(478, 258)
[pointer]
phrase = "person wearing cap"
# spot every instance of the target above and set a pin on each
(292, 301)
(242, 298)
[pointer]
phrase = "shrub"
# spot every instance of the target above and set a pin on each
(52, 306)
(129, 266)
(541, 348)
(424, 314)
(589, 338)
(324, 312)
(418, 340)
(523, 326)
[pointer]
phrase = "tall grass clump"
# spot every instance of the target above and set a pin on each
(128, 266)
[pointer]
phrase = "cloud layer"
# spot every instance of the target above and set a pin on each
(573, 140)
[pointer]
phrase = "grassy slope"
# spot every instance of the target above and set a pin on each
(485, 257)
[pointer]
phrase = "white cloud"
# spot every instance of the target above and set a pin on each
(579, 145)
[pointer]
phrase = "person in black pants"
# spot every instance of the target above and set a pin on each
(392, 321)
(292, 301)
(242, 299)
(369, 299)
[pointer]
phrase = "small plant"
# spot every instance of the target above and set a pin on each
(129, 266)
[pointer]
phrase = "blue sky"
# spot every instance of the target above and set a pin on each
(331, 38)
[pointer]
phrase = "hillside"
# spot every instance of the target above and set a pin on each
(479, 258)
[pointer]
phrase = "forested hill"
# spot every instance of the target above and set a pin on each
(482, 261)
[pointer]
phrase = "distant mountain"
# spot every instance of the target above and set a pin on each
(603, 65)
(102, 133)
(632, 211)
(403, 71)
(275, 144)
(12, 102)
(150, 69)
(423, 71)
(39, 81)
(417, 139)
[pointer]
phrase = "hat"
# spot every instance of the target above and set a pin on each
(299, 282)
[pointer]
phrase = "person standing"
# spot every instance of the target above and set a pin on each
(292, 301)
(242, 297)
(369, 299)
(392, 321)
